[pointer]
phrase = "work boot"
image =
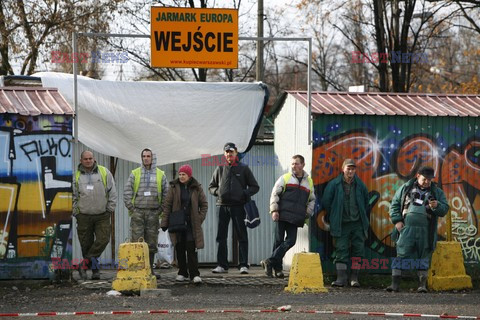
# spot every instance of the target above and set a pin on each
(152, 257)
(422, 281)
(94, 267)
(82, 272)
(83, 267)
(341, 275)
(95, 274)
(396, 277)
(354, 278)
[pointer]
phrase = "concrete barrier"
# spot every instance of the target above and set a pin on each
(447, 271)
(306, 275)
(137, 275)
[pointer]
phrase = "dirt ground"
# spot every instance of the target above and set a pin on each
(40, 296)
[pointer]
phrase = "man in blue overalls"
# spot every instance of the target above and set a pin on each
(414, 211)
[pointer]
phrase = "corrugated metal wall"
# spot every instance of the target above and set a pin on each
(260, 238)
(291, 137)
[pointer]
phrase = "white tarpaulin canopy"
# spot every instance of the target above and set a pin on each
(179, 121)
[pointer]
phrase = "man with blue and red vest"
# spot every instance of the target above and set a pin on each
(94, 202)
(346, 201)
(143, 196)
(292, 201)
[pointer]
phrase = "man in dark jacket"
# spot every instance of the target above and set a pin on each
(414, 211)
(346, 200)
(291, 202)
(233, 184)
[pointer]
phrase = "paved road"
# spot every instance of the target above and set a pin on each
(248, 294)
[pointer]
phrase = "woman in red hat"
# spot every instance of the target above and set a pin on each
(185, 193)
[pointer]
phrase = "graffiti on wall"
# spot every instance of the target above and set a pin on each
(35, 188)
(387, 157)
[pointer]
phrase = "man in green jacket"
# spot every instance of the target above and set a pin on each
(346, 200)
(414, 211)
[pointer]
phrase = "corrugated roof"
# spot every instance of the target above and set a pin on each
(381, 103)
(33, 101)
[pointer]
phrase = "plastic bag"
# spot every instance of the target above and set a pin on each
(165, 248)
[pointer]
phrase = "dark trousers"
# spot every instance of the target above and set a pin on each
(351, 240)
(237, 214)
(282, 244)
(186, 256)
(93, 233)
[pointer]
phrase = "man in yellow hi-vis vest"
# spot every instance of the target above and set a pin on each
(94, 202)
(143, 196)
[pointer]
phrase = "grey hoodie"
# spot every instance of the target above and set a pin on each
(148, 183)
(98, 200)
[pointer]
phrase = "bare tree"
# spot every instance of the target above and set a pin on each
(402, 30)
(471, 11)
(29, 29)
(327, 52)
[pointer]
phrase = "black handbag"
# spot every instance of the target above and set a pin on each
(177, 221)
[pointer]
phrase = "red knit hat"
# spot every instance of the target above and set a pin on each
(186, 169)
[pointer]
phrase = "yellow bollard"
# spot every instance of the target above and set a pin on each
(134, 273)
(306, 274)
(447, 271)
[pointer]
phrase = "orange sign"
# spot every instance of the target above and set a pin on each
(194, 38)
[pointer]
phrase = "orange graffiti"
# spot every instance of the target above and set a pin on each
(454, 172)
(415, 152)
(328, 158)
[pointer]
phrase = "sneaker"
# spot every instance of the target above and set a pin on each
(180, 278)
(279, 274)
(219, 270)
(197, 280)
(243, 270)
(267, 267)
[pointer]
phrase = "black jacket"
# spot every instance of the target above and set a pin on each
(233, 184)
